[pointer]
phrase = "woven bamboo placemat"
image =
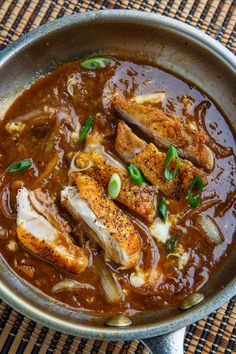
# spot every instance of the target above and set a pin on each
(217, 332)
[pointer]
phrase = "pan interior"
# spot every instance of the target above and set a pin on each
(150, 38)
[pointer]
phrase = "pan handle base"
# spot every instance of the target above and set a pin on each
(172, 343)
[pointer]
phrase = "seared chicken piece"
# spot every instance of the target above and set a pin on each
(127, 144)
(151, 162)
(110, 227)
(43, 238)
(140, 199)
(43, 204)
(165, 129)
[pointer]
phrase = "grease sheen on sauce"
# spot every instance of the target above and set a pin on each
(91, 95)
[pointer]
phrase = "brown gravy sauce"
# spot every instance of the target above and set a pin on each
(91, 95)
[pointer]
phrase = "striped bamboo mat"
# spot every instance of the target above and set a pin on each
(217, 332)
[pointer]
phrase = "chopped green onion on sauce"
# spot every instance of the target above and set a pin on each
(135, 174)
(88, 123)
(163, 209)
(171, 243)
(95, 63)
(195, 200)
(20, 166)
(114, 186)
(171, 154)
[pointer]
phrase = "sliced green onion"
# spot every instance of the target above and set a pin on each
(114, 186)
(135, 174)
(86, 128)
(171, 243)
(95, 63)
(195, 201)
(162, 209)
(20, 166)
(171, 154)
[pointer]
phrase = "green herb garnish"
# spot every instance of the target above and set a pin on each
(171, 243)
(171, 154)
(195, 200)
(95, 63)
(162, 209)
(114, 186)
(20, 166)
(88, 123)
(135, 174)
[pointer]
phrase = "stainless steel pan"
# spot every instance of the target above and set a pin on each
(171, 44)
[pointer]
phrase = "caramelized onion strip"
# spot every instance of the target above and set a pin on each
(48, 170)
(69, 285)
(5, 202)
(150, 263)
(110, 285)
(219, 150)
(29, 116)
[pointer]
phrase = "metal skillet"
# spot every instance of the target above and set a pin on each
(176, 47)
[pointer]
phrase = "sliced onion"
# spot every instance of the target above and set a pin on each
(183, 257)
(75, 134)
(72, 81)
(211, 229)
(15, 262)
(70, 284)
(49, 168)
(154, 97)
(51, 139)
(111, 286)
(151, 259)
(74, 168)
(160, 230)
(138, 278)
(3, 233)
(30, 115)
(12, 246)
(14, 127)
(5, 201)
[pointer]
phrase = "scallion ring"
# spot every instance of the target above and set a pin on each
(114, 186)
(171, 243)
(171, 154)
(95, 63)
(88, 123)
(135, 174)
(163, 209)
(195, 201)
(20, 166)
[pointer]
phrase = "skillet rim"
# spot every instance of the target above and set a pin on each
(167, 325)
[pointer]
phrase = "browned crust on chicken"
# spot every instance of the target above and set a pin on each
(70, 257)
(127, 143)
(152, 163)
(140, 199)
(167, 129)
(115, 221)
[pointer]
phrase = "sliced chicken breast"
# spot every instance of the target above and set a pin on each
(43, 204)
(165, 129)
(127, 144)
(151, 162)
(140, 199)
(110, 227)
(42, 238)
